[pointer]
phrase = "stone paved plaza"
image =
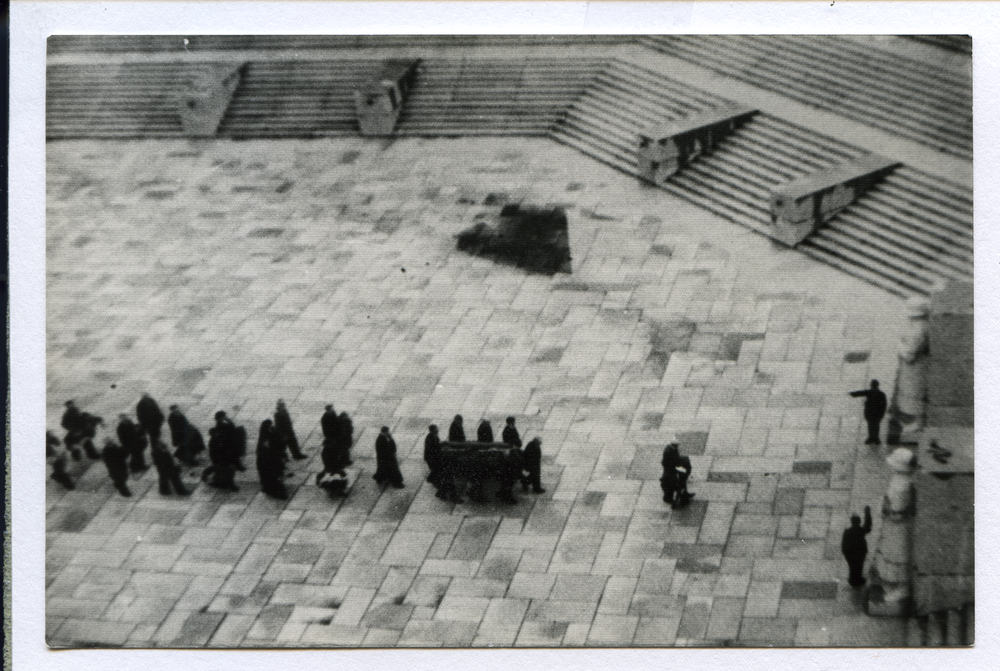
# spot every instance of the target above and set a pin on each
(226, 275)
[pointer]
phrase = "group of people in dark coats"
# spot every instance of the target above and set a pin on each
(509, 467)
(226, 447)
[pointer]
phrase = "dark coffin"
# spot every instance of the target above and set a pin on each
(474, 462)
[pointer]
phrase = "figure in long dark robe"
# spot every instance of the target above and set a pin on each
(185, 437)
(168, 471)
(73, 424)
(510, 434)
(133, 441)
(150, 418)
(456, 432)
(875, 407)
(532, 459)
(329, 423)
(673, 482)
(270, 462)
(283, 425)
(510, 472)
(485, 432)
(387, 467)
(115, 459)
(346, 428)
(854, 547)
(222, 450)
(432, 457)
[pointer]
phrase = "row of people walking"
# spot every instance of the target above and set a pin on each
(226, 446)
(276, 443)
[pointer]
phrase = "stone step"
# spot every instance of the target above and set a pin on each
(918, 101)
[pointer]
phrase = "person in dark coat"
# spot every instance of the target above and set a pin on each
(510, 472)
(510, 434)
(330, 423)
(346, 428)
(59, 473)
(283, 425)
(169, 472)
(333, 457)
(185, 437)
(81, 428)
(855, 548)
(676, 469)
(485, 432)
(89, 433)
(432, 455)
(456, 432)
(270, 462)
(532, 460)
(150, 418)
(73, 424)
(222, 451)
(387, 468)
(134, 443)
(875, 406)
(116, 460)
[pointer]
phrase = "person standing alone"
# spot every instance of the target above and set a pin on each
(676, 469)
(854, 547)
(875, 406)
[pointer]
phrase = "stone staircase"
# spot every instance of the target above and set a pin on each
(493, 97)
(124, 100)
(925, 103)
(908, 232)
(946, 628)
(314, 98)
(133, 44)
(296, 98)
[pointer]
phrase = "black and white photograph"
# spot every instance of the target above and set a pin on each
(497, 341)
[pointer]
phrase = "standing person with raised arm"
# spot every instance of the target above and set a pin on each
(875, 407)
(854, 547)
